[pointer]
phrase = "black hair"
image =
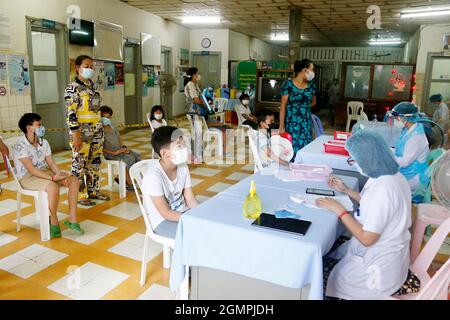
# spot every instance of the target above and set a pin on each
(154, 109)
(79, 60)
(263, 114)
(27, 120)
(163, 137)
(189, 74)
(299, 65)
(244, 96)
(106, 109)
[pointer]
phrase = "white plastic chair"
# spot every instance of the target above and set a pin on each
(208, 133)
(122, 168)
(354, 112)
(154, 154)
(364, 116)
(436, 287)
(137, 172)
(40, 197)
(220, 105)
(254, 149)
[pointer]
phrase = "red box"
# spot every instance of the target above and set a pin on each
(341, 135)
(336, 147)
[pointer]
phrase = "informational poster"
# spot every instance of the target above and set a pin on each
(110, 74)
(19, 74)
(3, 76)
(184, 57)
(130, 84)
(246, 74)
(99, 74)
(119, 74)
(148, 76)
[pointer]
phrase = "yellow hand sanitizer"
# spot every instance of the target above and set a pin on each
(252, 204)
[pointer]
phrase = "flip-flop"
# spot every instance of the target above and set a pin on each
(86, 202)
(55, 231)
(99, 196)
(74, 226)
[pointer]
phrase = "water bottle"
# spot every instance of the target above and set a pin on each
(252, 204)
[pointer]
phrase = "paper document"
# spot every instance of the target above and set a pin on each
(310, 200)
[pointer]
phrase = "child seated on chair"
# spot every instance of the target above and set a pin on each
(166, 186)
(244, 110)
(36, 170)
(113, 147)
(157, 117)
(265, 119)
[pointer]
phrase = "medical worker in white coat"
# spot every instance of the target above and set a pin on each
(412, 148)
(374, 262)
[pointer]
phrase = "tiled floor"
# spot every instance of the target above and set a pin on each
(108, 256)
(104, 263)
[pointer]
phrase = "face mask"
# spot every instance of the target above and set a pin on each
(106, 121)
(245, 102)
(179, 156)
(399, 124)
(87, 73)
(158, 116)
(40, 132)
(310, 75)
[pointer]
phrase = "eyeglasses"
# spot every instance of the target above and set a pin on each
(350, 161)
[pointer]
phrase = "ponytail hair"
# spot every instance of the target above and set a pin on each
(189, 74)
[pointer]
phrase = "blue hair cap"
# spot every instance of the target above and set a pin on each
(406, 107)
(372, 154)
(436, 97)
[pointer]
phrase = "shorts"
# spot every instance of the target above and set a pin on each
(31, 182)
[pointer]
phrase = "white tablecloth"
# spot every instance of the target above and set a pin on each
(216, 235)
(314, 153)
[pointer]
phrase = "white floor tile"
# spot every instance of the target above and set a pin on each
(11, 186)
(93, 232)
(205, 172)
(11, 262)
(6, 238)
(10, 205)
(157, 292)
(95, 282)
(125, 210)
(219, 187)
(132, 248)
(32, 251)
(195, 182)
(249, 167)
(27, 269)
(238, 176)
(50, 257)
(97, 202)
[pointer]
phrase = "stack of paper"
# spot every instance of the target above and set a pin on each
(310, 200)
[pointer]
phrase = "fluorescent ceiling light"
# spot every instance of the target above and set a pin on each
(381, 43)
(279, 37)
(201, 20)
(425, 12)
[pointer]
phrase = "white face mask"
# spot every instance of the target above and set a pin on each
(399, 124)
(158, 116)
(245, 102)
(179, 156)
(87, 73)
(310, 75)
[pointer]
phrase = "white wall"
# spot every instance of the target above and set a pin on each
(411, 48)
(239, 46)
(242, 47)
(219, 42)
(132, 19)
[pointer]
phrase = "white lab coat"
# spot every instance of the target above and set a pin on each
(416, 148)
(379, 270)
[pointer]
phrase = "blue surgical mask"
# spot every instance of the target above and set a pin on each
(40, 132)
(106, 121)
(87, 73)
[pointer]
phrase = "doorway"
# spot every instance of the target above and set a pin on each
(49, 77)
(437, 79)
(133, 84)
(166, 82)
(208, 63)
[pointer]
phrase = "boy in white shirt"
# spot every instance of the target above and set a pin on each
(36, 170)
(244, 110)
(166, 187)
(265, 119)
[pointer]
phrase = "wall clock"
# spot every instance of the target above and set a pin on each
(206, 43)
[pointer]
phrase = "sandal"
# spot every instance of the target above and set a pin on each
(86, 202)
(74, 226)
(55, 231)
(99, 196)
